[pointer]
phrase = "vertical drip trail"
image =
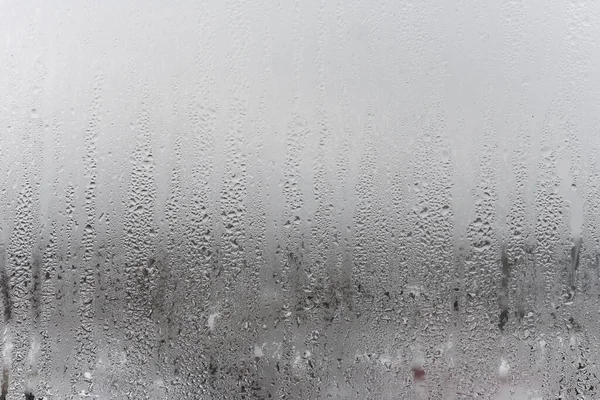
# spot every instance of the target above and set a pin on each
(7, 321)
(140, 268)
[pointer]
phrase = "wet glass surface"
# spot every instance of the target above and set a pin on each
(299, 200)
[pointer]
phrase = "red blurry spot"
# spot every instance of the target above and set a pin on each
(419, 374)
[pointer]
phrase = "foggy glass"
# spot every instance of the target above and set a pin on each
(299, 200)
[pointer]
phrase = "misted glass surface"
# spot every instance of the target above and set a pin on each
(299, 199)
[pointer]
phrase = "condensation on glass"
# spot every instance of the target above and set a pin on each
(299, 200)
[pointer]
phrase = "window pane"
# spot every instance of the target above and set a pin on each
(299, 200)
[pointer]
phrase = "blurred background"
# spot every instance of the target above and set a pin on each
(299, 199)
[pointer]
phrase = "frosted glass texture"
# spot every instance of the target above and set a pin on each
(299, 199)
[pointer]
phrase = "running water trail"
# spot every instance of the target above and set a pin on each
(6, 334)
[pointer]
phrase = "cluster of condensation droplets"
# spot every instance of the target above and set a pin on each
(299, 200)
